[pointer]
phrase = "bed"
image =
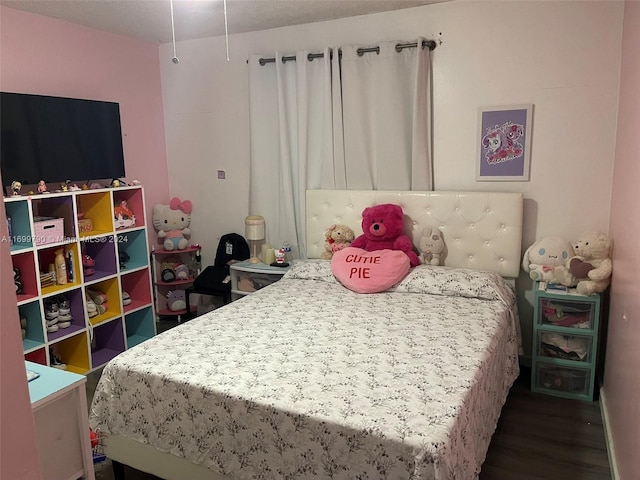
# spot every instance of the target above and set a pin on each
(306, 379)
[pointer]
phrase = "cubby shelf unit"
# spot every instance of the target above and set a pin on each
(120, 263)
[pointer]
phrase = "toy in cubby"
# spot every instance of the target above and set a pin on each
(123, 216)
(24, 276)
(128, 209)
(98, 257)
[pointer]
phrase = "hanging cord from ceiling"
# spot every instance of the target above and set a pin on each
(226, 30)
(430, 44)
(175, 58)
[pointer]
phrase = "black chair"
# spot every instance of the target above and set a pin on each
(215, 279)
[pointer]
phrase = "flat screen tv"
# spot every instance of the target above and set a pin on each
(57, 139)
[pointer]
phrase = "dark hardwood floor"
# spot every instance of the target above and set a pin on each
(546, 438)
(539, 437)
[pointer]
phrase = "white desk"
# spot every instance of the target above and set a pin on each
(59, 404)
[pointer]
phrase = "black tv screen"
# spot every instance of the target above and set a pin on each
(57, 139)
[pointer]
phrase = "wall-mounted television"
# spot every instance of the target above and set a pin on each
(56, 139)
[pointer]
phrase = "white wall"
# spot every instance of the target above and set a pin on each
(563, 57)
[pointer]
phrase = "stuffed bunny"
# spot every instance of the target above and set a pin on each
(431, 246)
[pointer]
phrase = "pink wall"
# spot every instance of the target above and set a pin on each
(17, 437)
(50, 57)
(622, 370)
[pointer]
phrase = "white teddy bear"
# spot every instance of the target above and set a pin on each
(591, 267)
(544, 256)
(431, 246)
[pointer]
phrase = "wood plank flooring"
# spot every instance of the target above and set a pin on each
(546, 438)
(539, 437)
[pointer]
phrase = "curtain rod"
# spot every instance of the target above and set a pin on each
(430, 44)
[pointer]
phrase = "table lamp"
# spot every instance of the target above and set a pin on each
(254, 232)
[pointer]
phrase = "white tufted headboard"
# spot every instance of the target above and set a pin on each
(482, 230)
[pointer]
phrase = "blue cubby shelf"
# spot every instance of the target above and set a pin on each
(34, 337)
(140, 326)
(134, 244)
(21, 236)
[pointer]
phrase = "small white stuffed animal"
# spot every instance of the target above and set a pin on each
(431, 246)
(541, 258)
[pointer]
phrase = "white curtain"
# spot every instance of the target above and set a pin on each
(362, 121)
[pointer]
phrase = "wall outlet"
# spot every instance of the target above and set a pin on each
(221, 175)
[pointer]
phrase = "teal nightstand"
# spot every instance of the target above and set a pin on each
(566, 340)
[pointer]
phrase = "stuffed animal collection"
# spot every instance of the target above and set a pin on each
(336, 237)
(431, 247)
(590, 268)
(172, 223)
(541, 258)
(383, 226)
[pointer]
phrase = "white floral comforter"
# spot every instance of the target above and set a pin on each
(305, 379)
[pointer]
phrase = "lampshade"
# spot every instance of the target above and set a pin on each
(254, 227)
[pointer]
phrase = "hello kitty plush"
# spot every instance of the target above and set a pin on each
(172, 223)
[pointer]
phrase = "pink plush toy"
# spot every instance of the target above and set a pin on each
(382, 226)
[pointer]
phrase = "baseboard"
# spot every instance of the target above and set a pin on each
(604, 410)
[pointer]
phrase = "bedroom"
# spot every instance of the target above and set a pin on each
(568, 64)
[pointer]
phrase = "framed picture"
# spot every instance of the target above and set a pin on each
(504, 143)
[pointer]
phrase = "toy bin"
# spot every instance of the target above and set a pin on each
(48, 230)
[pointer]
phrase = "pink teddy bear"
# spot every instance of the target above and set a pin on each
(383, 226)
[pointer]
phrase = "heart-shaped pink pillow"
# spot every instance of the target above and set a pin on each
(369, 272)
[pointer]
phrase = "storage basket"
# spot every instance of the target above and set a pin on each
(48, 230)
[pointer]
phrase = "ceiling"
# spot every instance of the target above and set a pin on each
(151, 19)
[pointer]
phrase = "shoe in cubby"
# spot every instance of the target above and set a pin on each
(64, 312)
(105, 296)
(97, 296)
(126, 299)
(55, 360)
(70, 314)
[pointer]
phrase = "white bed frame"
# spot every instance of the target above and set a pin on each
(482, 231)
